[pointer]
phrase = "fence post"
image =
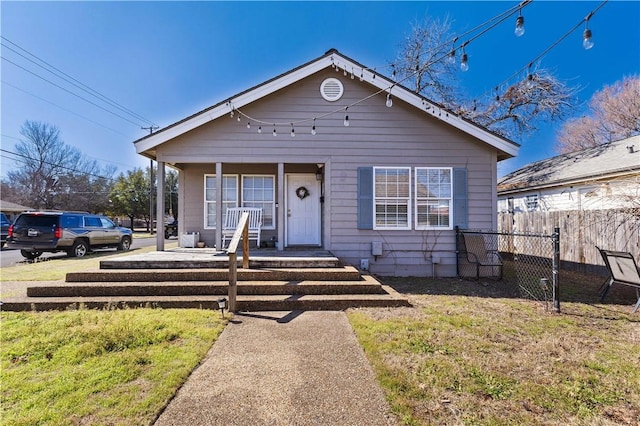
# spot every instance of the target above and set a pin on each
(556, 269)
(233, 280)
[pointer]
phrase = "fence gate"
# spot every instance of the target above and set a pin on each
(530, 262)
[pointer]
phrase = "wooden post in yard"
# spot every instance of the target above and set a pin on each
(233, 280)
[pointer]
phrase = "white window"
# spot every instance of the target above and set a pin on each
(260, 191)
(392, 197)
(434, 197)
(532, 202)
(229, 197)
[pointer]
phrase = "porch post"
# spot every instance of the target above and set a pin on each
(160, 207)
(219, 218)
(280, 213)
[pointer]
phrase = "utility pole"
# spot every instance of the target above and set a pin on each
(150, 129)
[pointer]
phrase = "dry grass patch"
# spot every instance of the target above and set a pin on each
(464, 355)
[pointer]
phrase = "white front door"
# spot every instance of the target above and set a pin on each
(303, 210)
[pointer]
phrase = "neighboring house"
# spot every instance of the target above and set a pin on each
(11, 210)
(603, 177)
(334, 166)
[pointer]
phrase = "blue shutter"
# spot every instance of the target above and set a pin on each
(460, 198)
(365, 197)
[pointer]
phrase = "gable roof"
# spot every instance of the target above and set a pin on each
(506, 147)
(8, 206)
(609, 160)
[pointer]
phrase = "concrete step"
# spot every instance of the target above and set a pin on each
(346, 273)
(180, 261)
(367, 285)
(247, 303)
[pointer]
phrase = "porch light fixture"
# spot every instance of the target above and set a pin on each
(319, 173)
(222, 305)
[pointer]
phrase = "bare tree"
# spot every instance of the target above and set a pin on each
(52, 174)
(424, 63)
(614, 114)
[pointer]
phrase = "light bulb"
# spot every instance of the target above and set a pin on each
(587, 43)
(389, 102)
(464, 64)
(451, 57)
(248, 125)
(519, 31)
(231, 114)
(293, 133)
(346, 121)
(238, 118)
(274, 132)
(259, 129)
(313, 130)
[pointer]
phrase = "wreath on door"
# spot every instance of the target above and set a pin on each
(302, 192)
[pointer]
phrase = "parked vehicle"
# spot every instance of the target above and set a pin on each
(4, 229)
(77, 233)
(171, 229)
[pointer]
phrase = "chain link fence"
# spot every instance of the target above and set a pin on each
(527, 262)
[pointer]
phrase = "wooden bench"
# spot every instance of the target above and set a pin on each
(622, 270)
(232, 217)
(474, 254)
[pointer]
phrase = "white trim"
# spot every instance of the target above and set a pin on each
(294, 76)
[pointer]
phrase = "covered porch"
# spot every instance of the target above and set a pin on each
(290, 195)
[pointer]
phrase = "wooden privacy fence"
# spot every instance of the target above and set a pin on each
(581, 230)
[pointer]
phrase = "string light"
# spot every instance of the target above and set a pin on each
(248, 125)
(446, 56)
(231, 114)
(274, 131)
(346, 117)
(464, 62)
(519, 31)
(587, 43)
(239, 118)
(293, 132)
(259, 129)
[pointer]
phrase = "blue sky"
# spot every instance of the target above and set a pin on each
(166, 60)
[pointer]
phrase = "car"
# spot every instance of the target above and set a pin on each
(171, 229)
(76, 233)
(4, 229)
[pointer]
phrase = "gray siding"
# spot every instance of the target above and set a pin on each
(377, 136)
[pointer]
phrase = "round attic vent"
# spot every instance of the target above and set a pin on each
(331, 89)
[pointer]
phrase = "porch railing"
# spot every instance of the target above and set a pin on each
(241, 232)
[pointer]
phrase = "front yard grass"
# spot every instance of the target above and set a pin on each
(99, 367)
(465, 355)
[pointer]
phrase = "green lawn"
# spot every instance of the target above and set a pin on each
(479, 360)
(117, 367)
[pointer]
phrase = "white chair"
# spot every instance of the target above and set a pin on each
(232, 217)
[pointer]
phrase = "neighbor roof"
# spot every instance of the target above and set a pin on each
(506, 147)
(8, 206)
(609, 160)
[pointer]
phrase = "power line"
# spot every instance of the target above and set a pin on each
(24, 159)
(63, 108)
(73, 81)
(70, 92)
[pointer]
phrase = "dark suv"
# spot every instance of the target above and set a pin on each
(4, 229)
(77, 233)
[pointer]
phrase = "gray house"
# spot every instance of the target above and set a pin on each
(341, 158)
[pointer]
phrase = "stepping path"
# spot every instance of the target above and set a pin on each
(282, 368)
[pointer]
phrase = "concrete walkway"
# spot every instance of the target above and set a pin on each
(282, 368)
